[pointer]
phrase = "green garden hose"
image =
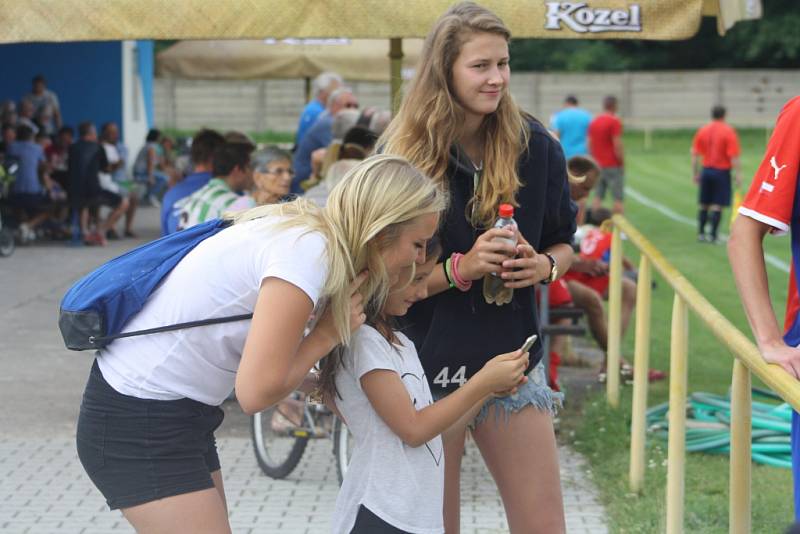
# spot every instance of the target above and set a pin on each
(708, 419)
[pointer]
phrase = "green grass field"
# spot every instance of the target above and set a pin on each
(663, 174)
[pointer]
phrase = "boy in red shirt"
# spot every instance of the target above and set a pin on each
(605, 145)
(718, 145)
(771, 207)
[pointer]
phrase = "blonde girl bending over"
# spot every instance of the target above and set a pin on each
(459, 124)
(146, 426)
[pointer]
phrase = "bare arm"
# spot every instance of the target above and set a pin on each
(276, 357)
(696, 167)
(746, 255)
(390, 398)
(618, 148)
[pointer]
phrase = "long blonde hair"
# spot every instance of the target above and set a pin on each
(427, 123)
(363, 216)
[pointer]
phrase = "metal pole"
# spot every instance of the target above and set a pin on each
(679, 348)
(396, 72)
(741, 401)
(641, 367)
(614, 321)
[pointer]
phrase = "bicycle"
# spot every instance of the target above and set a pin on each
(280, 435)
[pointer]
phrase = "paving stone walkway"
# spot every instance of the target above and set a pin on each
(45, 491)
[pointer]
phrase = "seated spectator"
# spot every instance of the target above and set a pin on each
(44, 120)
(56, 155)
(323, 86)
(149, 169)
(320, 134)
(358, 144)
(168, 161)
(26, 115)
(86, 160)
(272, 178)
(9, 135)
(323, 158)
(41, 97)
(588, 280)
(33, 192)
(379, 121)
(8, 113)
(43, 140)
(204, 143)
(233, 178)
(121, 199)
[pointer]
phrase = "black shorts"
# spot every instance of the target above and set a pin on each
(107, 198)
(369, 523)
(715, 187)
(31, 203)
(140, 450)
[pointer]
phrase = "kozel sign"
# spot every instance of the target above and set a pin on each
(580, 18)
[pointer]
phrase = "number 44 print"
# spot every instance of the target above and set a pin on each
(444, 378)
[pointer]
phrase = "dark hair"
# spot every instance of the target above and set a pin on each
(571, 99)
(41, 134)
(204, 143)
(85, 127)
(228, 156)
(38, 78)
(610, 102)
(66, 129)
(358, 142)
(153, 135)
(24, 133)
(599, 215)
(8, 126)
(718, 112)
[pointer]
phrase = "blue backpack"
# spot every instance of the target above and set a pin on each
(96, 308)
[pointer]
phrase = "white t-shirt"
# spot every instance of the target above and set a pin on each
(402, 485)
(106, 180)
(218, 278)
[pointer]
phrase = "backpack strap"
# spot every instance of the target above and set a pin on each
(179, 326)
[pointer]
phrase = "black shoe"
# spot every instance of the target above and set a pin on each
(112, 235)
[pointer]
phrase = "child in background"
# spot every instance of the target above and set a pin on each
(395, 481)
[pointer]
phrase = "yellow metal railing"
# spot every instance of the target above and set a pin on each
(747, 360)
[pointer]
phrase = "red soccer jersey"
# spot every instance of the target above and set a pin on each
(602, 131)
(718, 143)
(772, 197)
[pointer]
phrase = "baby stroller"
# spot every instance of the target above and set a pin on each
(7, 176)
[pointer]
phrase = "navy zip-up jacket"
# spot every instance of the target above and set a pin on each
(455, 329)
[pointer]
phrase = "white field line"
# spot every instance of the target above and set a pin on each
(675, 216)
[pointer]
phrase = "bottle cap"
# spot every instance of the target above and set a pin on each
(506, 211)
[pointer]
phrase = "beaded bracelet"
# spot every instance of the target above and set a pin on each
(461, 284)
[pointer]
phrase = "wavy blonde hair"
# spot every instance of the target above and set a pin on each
(363, 217)
(427, 123)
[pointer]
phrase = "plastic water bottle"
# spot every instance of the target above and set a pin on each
(494, 290)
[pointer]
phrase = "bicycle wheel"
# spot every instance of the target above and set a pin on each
(278, 448)
(342, 447)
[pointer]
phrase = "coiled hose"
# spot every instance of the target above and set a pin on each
(708, 418)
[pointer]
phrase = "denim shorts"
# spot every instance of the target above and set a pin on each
(141, 450)
(535, 392)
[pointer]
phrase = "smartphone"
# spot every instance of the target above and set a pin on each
(529, 343)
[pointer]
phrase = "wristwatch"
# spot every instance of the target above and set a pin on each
(553, 269)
